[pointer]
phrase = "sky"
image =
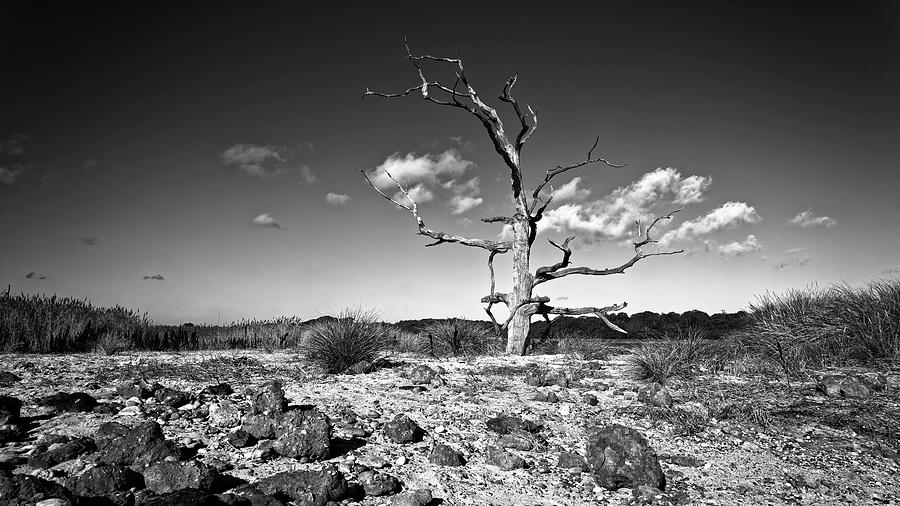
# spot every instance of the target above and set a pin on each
(201, 162)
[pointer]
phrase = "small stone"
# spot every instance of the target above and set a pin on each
(590, 399)
(401, 460)
(402, 430)
(506, 461)
(565, 410)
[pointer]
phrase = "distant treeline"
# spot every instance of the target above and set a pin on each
(41, 324)
(643, 325)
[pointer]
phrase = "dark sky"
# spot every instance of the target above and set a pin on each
(179, 158)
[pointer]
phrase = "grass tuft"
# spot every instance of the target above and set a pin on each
(457, 337)
(675, 354)
(336, 344)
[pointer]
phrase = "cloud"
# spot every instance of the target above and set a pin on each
(265, 220)
(90, 164)
(14, 145)
(418, 193)
(412, 170)
(463, 203)
(737, 249)
(465, 195)
(254, 159)
(34, 275)
(807, 219)
(613, 216)
(11, 173)
(155, 277)
(796, 257)
(337, 199)
(571, 191)
(308, 175)
(728, 215)
(89, 241)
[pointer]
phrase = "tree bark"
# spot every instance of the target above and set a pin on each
(517, 336)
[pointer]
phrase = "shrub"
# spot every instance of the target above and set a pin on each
(111, 343)
(578, 346)
(674, 354)
(336, 344)
(458, 337)
(815, 327)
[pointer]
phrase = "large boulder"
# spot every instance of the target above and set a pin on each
(8, 379)
(506, 461)
(23, 489)
(165, 477)
(303, 434)
(422, 375)
(421, 497)
(270, 399)
(61, 452)
(621, 457)
(845, 385)
(171, 397)
(140, 388)
(104, 481)
(224, 414)
(10, 409)
(378, 484)
(402, 429)
(78, 402)
(306, 488)
(508, 424)
(655, 395)
(138, 448)
(443, 455)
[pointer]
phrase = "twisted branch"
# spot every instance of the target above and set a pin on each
(545, 274)
(551, 173)
(439, 237)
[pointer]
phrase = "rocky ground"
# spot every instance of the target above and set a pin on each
(261, 429)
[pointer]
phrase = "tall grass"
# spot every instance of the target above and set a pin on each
(41, 324)
(457, 337)
(816, 327)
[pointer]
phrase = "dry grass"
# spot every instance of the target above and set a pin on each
(676, 354)
(336, 344)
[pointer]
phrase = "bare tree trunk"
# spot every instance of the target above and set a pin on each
(517, 337)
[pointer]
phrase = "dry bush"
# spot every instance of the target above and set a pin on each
(674, 354)
(814, 328)
(576, 345)
(336, 344)
(111, 343)
(457, 337)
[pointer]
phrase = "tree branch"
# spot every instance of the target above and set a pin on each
(527, 129)
(439, 237)
(484, 113)
(551, 173)
(567, 254)
(498, 219)
(545, 274)
(600, 312)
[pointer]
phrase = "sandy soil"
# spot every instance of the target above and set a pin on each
(770, 444)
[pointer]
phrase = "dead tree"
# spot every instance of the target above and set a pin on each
(521, 301)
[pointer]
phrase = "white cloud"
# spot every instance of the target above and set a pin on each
(308, 175)
(745, 247)
(463, 203)
(728, 215)
(265, 220)
(11, 174)
(571, 191)
(796, 257)
(418, 193)
(35, 275)
(14, 145)
(336, 199)
(614, 216)
(412, 170)
(807, 219)
(254, 159)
